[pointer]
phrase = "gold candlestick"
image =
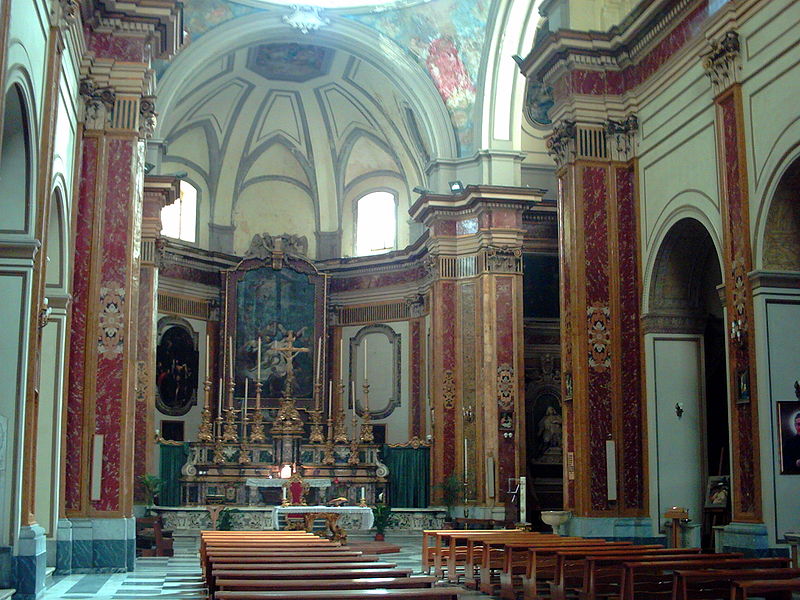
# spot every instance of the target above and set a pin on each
(219, 456)
(229, 433)
(257, 427)
(354, 460)
(316, 436)
(244, 454)
(327, 456)
(339, 432)
(205, 432)
(367, 436)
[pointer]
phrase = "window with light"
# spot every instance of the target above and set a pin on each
(179, 219)
(375, 223)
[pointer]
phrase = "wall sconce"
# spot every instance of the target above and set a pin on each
(679, 409)
(456, 187)
(469, 414)
(737, 331)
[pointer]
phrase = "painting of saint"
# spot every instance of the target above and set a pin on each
(176, 372)
(789, 416)
(277, 306)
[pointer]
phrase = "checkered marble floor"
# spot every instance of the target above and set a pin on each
(178, 578)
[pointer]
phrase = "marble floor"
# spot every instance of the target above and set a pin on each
(178, 577)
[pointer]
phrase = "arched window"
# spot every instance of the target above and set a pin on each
(375, 223)
(179, 219)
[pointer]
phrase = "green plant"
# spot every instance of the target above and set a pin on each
(225, 519)
(382, 517)
(452, 490)
(152, 486)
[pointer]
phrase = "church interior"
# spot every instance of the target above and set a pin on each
(483, 262)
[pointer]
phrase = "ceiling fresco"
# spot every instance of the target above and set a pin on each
(446, 38)
(289, 62)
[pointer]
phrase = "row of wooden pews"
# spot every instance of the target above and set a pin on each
(514, 563)
(259, 565)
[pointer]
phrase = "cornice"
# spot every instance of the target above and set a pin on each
(473, 196)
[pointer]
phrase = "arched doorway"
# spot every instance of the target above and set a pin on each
(688, 414)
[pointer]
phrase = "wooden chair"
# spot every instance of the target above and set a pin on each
(151, 539)
(296, 490)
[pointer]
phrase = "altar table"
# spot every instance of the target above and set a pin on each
(356, 517)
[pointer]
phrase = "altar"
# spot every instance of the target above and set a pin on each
(277, 405)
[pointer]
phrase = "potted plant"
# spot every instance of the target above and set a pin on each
(383, 518)
(452, 489)
(152, 486)
(225, 519)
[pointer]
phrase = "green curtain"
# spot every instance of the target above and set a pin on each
(409, 476)
(172, 459)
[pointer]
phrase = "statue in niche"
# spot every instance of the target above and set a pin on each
(549, 431)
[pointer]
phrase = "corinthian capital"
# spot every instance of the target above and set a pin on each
(722, 63)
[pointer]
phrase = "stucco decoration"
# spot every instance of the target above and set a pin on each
(538, 101)
(289, 62)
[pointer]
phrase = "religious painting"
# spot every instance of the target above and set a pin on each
(176, 371)
(718, 491)
(743, 386)
(789, 431)
(277, 295)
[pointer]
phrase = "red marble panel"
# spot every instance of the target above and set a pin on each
(504, 328)
(595, 224)
(504, 218)
(80, 310)
(444, 228)
(448, 344)
(377, 280)
(186, 273)
(112, 313)
(145, 345)
(631, 394)
(415, 361)
(108, 45)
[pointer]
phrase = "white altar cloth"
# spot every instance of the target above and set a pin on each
(270, 482)
(349, 514)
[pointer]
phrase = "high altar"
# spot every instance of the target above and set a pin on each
(277, 406)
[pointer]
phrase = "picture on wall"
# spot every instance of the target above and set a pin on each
(718, 491)
(789, 431)
(176, 371)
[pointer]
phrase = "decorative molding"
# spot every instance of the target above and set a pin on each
(98, 104)
(306, 18)
(665, 323)
(561, 143)
(624, 136)
(395, 343)
(504, 259)
(599, 319)
(722, 63)
(274, 248)
(448, 389)
(147, 116)
(506, 382)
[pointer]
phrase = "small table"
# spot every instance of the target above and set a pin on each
(331, 514)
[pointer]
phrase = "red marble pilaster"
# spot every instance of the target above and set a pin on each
(739, 304)
(506, 343)
(415, 375)
(447, 311)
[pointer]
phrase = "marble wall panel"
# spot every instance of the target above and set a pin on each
(415, 392)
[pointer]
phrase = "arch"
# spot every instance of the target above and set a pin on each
(56, 276)
(342, 33)
(784, 163)
(660, 234)
(17, 164)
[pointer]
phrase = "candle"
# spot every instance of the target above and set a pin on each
(284, 493)
(330, 397)
(258, 373)
(363, 493)
(219, 410)
(208, 364)
(319, 361)
(230, 358)
(341, 357)
(246, 380)
(465, 460)
(365, 358)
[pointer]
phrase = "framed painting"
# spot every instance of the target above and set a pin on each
(789, 432)
(176, 368)
(281, 306)
(718, 491)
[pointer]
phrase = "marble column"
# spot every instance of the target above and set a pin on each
(475, 249)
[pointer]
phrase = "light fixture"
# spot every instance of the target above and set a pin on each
(420, 190)
(456, 187)
(286, 471)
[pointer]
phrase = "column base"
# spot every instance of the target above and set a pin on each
(30, 563)
(751, 539)
(64, 547)
(98, 546)
(636, 529)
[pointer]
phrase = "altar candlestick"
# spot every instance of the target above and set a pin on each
(258, 372)
(363, 494)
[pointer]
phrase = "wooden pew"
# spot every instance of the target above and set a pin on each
(454, 555)
(570, 564)
(480, 546)
(355, 583)
(696, 584)
(773, 589)
(310, 573)
(432, 545)
(649, 578)
(518, 564)
(381, 594)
